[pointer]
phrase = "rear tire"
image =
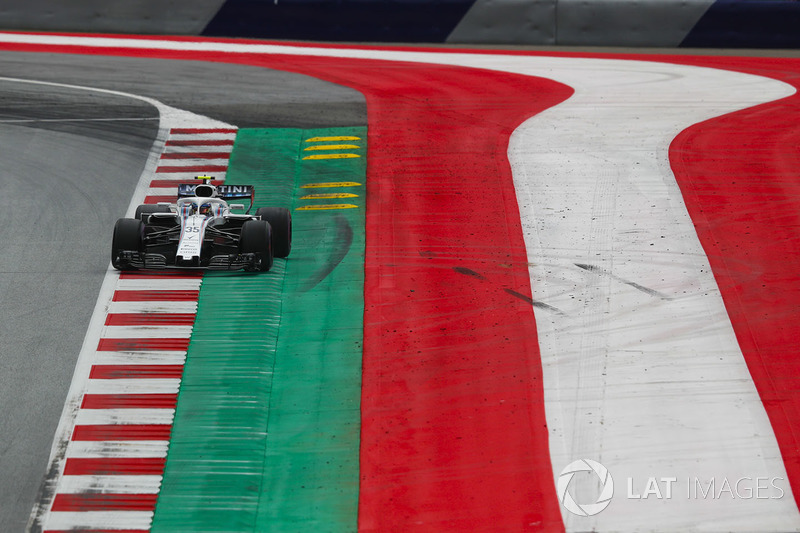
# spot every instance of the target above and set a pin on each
(256, 238)
(280, 220)
(128, 235)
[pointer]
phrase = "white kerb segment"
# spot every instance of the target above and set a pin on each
(642, 370)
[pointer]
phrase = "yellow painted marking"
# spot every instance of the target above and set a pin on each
(333, 147)
(329, 195)
(331, 156)
(330, 184)
(325, 139)
(325, 207)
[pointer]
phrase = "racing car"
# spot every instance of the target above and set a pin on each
(202, 231)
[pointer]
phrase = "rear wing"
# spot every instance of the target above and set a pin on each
(225, 192)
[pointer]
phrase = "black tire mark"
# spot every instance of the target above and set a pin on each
(652, 292)
(515, 294)
(342, 244)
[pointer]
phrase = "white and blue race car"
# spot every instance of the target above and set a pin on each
(202, 231)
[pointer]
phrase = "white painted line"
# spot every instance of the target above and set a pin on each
(161, 284)
(93, 417)
(142, 448)
(110, 484)
(140, 358)
(146, 332)
(152, 307)
(133, 386)
(99, 520)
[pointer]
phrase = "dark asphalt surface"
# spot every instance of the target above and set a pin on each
(69, 162)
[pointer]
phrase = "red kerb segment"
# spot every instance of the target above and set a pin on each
(121, 432)
(136, 371)
(129, 401)
(152, 200)
(114, 466)
(150, 319)
(99, 531)
(103, 502)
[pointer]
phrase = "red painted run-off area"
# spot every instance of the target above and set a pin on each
(454, 434)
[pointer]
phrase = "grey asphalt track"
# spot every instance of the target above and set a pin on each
(69, 162)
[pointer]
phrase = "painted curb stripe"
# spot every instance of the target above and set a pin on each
(138, 448)
(122, 432)
(159, 199)
(104, 502)
(136, 371)
(112, 484)
(145, 319)
(129, 401)
(114, 466)
(96, 521)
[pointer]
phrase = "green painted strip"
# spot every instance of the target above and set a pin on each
(266, 431)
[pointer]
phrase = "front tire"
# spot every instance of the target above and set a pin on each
(256, 238)
(280, 220)
(128, 236)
